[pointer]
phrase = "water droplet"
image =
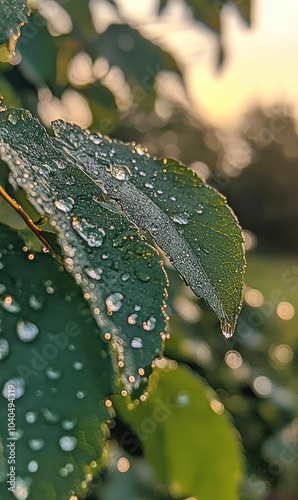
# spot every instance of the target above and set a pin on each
(114, 302)
(35, 302)
(199, 209)
(10, 304)
(81, 394)
(173, 198)
(132, 319)
(36, 444)
(125, 276)
(67, 443)
(64, 205)
(78, 365)
(95, 274)
(137, 308)
(30, 417)
(180, 218)
(15, 388)
(149, 185)
(67, 425)
(142, 173)
(21, 491)
(136, 343)
(50, 416)
(27, 331)
(32, 466)
(12, 119)
(183, 398)
(227, 329)
(91, 234)
(4, 348)
(53, 374)
(149, 325)
(66, 470)
(119, 172)
(95, 138)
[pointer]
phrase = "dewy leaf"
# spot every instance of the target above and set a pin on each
(189, 220)
(13, 14)
(61, 372)
(186, 436)
(120, 274)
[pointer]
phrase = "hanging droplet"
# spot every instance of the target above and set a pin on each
(78, 365)
(227, 329)
(114, 302)
(26, 331)
(4, 348)
(67, 443)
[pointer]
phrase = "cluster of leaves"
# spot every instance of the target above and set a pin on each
(94, 197)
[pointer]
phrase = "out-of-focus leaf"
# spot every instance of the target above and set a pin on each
(188, 219)
(120, 274)
(193, 449)
(10, 97)
(139, 59)
(13, 14)
(51, 352)
(208, 11)
(39, 53)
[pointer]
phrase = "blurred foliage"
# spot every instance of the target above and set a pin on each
(254, 375)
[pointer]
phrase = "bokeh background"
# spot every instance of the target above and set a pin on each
(214, 85)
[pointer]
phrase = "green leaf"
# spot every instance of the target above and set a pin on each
(192, 449)
(37, 68)
(139, 59)
(120, 274)
(208, 11)
(51, 351)
(188, 219)
(13, 14)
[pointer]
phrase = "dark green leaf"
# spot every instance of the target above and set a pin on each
(188, 441)
(208, 11)
(139, 59)
(37, 68)
(189, 220)
(120, 274)
(13, 14)
(51, 350)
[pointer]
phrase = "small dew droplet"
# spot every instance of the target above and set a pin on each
(26, 331)
(4, 348)
(136, 343)
(114, 302)
(67, 443)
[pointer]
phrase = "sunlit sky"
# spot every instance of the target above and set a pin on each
(261, 65)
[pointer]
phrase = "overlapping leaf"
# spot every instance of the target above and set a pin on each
(52, 353)
(189, 220)
(120, 274)
(13, 14)
(188, 441)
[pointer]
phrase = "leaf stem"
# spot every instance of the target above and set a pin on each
(28, 221)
